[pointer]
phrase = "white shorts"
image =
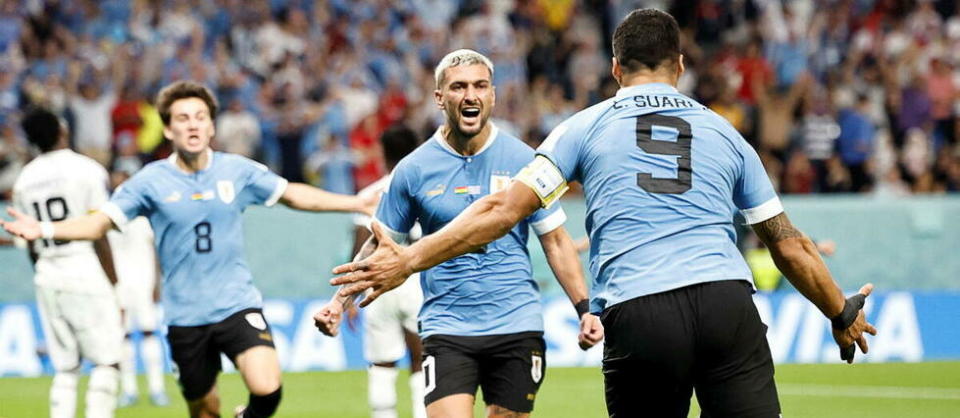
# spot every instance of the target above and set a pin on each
(139, 309)
(80, 325)
(385, 320)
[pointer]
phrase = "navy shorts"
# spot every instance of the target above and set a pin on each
(707, 336)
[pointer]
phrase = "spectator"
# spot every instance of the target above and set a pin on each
(855, 143)
(238, 131)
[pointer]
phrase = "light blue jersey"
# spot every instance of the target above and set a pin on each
(663, 177)
(198, 225)
(486, 293)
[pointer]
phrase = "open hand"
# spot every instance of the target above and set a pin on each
(385, 269)
(22, 226)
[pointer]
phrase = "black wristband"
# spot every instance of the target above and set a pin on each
(582, 307)
(851, 307)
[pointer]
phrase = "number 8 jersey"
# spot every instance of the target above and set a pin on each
(663, 177)
(197, 220)
(58, 185)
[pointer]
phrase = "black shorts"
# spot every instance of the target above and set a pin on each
(508, 368)
(706, 336)
(196, 350)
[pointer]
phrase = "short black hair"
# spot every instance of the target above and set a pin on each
(398, 141)
(42, 128)
(646, 38)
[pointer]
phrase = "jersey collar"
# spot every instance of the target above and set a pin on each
(645, 88)
(438, 136)
(173, 160)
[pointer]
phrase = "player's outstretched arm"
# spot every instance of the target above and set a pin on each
(797, 257)
(482, 222)
(306, 197)
(88, 227)
(562, 256)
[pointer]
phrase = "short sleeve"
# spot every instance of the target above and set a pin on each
(754, 194)
(128, 201)
(562, 148)
(262, 187)
(394, 212)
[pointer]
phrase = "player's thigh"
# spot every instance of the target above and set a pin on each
(648, 355)
(61, 343)
(196, 358)
(383, 331)
(511, 371)
(260, 368)
(96, 322)
(736, 378)
(449, 368)
(246, 339)
(452, 406)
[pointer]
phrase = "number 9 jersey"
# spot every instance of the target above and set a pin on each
(663, 177)
(58, 185)
(197, 220)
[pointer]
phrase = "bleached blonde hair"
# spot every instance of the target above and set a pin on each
(461, 57)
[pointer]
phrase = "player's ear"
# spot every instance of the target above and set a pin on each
(438, 98)
(680, 67)
(167, 133)
(616, 71)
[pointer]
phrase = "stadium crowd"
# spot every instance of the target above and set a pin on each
(836, 95)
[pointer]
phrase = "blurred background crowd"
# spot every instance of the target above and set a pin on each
(855, 96)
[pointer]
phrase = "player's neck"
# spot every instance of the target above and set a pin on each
(465, 145)
(649, 77)
(193, 163)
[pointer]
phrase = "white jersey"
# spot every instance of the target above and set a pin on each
(134, 254)
(378, 187)
(394, 311)
(135, 258)
(60, 185)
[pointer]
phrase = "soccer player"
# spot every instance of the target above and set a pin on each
(194, 201)
(75, 280)
(481, 320)
(138, 290)
(663, 177)
(391, 324)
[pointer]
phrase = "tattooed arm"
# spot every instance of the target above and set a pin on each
(797, 257)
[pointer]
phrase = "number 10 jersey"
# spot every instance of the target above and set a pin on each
(59, 185)
(663, 177)
(197, 220)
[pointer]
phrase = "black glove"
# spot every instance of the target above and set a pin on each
(851, 308)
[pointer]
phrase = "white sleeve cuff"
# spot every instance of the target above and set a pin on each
(361, 220)
(115, 214)
(399, 237)
(551, 222)
(765, 211)
(275, 197)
